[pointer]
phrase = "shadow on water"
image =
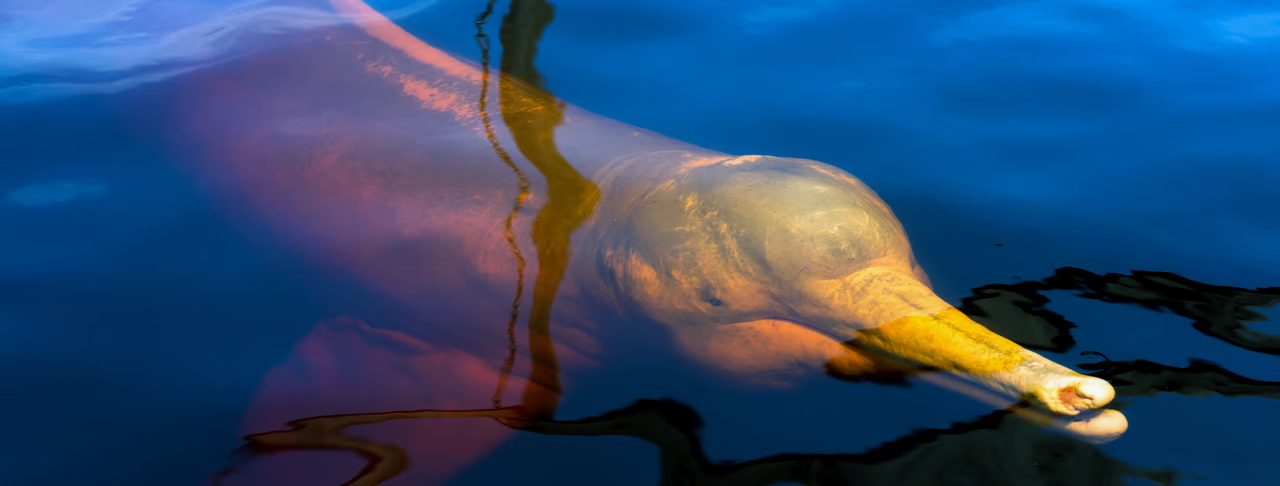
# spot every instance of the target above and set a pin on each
(1017, 311)
(995, 449)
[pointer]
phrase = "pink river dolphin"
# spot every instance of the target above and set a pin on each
(479, 201)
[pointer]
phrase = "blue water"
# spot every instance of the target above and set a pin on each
(136, 320)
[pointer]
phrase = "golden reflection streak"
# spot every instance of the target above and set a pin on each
(326, 432)
(483, 41)
(532, 113)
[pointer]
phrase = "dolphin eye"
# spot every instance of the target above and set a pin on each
(708, 295)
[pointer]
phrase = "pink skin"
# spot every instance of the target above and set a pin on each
(364, 149)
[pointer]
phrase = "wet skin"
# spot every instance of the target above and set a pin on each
(761, 263)
(364, 148)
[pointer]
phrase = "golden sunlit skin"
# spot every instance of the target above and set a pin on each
(712, 246)
(367, 150)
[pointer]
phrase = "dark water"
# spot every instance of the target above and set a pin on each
(1118, 159)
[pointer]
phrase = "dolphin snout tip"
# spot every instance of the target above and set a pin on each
(1093, 393)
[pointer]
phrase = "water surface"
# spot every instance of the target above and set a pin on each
(1051, 147)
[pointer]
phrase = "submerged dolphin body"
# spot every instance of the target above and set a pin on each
(366, 148)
